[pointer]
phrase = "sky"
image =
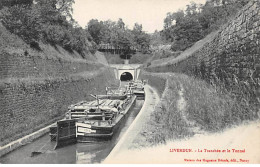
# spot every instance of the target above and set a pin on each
(149, 13)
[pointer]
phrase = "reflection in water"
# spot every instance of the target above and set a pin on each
(83, 157)
(81, 153)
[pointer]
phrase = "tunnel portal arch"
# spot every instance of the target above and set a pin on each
(126, 72)
(126, 76)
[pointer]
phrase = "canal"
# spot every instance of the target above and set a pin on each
(80, 153)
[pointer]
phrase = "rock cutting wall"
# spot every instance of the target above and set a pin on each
(22, 66)
(35, 92)
(232, 59)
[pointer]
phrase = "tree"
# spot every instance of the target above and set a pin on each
(168, 21)
(48, 21)
(185, 27)
(138, 28)
(10, 3)
(141, 39)
(23, 21)
(95, 29)
(118, 35)
(156, 38)
(65, 7)
(120, 24)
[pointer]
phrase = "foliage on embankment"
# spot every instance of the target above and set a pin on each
(155, 81)
(205, 109)
(185, 27)
(213, 108)
(47, 21)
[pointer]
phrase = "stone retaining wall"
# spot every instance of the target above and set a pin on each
(22, 66)
(35, 91)
(231, 59)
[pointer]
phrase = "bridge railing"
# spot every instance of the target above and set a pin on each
(116, 49)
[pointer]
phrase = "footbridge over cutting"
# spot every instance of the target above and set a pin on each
(126, 72)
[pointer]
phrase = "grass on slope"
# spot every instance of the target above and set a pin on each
(101, 57)
(13, 44)
(139, 58)
(212, 108)
(185, 54)
(206, 110)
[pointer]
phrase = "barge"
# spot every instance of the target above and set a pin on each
(103, 128)
(92, 121)
(137, 87)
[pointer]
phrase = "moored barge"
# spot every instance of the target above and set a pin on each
(90, 121)
(91, 130)
(137, 87)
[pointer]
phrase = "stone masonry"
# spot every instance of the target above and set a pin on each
(35, 91)
(231, 59)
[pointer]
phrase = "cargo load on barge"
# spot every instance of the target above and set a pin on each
(92, 121)
(137, 88)
(90, 129)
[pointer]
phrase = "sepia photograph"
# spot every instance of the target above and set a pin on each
(130, 82)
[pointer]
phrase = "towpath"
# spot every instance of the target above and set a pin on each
(237, 145)
(151, 100)
(244, 139)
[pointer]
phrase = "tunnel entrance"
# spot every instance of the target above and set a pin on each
(126, 76)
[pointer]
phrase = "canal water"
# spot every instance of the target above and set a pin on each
(73, 154)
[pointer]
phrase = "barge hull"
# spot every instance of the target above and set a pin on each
(95, 137)
(66, 133)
